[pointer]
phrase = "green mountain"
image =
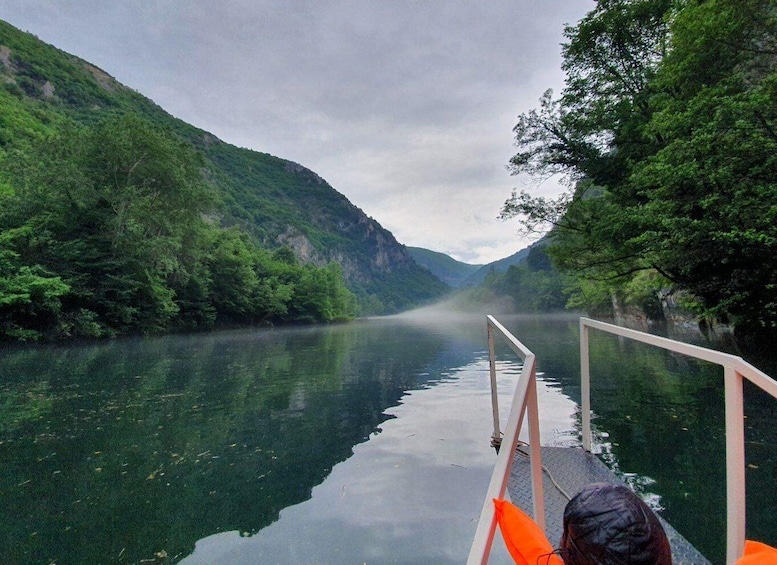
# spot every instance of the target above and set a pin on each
(458, 274)
(499, 266)
(54, 108)
(444, 267)
(525, 281)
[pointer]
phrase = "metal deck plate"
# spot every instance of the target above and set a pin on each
(573, 468)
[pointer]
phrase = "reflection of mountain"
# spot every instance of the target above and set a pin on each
(143, 446)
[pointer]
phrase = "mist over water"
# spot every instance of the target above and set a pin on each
(463, 311)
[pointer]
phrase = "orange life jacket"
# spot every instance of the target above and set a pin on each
(757, 553)
(524, 539)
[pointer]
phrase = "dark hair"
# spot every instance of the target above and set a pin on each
(610, 525)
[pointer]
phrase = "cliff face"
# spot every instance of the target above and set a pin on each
(376, 249)
(382, 252)
(277, 201)
(669, 313)
(284, 203)
(328, 228)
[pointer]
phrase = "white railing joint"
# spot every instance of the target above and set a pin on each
(524, 401)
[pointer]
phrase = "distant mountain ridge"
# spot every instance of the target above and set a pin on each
(444, 267)
(458, 274)
(499, 266)
(280, 203)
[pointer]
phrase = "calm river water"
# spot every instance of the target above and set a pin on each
(360, 443)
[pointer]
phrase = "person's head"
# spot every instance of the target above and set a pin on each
(610, 525)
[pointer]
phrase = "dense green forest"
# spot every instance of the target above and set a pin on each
(116, 218)
(666, 133)
(105, 231)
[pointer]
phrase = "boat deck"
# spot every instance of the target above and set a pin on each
(573, 468)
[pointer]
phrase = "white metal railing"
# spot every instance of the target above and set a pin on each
(524, 400)
(735, 369)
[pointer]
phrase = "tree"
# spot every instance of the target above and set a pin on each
(141, 204)
(235, 283)
(711, 186)
(591, 136)
(30, 298)
(666, 132)
(593, 129)
(109, 210)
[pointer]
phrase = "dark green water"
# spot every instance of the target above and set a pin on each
(362, 443)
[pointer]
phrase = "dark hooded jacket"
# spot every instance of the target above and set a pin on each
(610, 525)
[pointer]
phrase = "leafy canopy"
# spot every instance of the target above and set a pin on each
(105, 231)
(666, 134)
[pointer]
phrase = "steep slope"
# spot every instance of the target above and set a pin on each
(278, 202)
(443, 266)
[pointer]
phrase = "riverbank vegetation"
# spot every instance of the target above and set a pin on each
(665, 134)
(110, 230)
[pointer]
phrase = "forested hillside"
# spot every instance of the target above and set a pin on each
(444, 267)
(667, 133)
(524, 282)
(532, 285)
(117, 218)
(499, 266)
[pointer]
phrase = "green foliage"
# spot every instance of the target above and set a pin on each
(711, 185)
(589, 296)
(30, 298)
(533, 285)
(104, 233)
(643, 290)
(667, 131)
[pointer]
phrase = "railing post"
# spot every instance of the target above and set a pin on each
(585, 387)
(524, 402)
(735, 371)
(538, 497)
(735, 465)
(496, 438)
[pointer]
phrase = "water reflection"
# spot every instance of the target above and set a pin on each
(359, 443)
(135, 449)
(412, 492)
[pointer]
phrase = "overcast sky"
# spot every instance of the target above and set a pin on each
(406, 107)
